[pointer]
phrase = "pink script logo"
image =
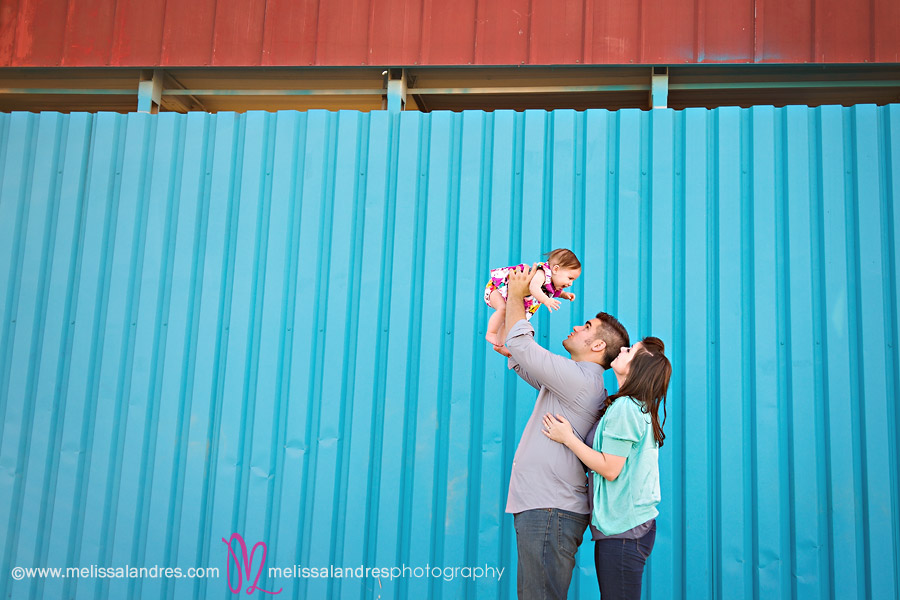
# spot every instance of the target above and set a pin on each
(246, 561)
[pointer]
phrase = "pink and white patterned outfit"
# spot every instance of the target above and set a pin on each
(500, 278)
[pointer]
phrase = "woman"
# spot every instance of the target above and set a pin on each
(625, 455)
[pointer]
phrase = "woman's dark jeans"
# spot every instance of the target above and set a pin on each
(620, 565)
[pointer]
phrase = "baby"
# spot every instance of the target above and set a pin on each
(559, 272)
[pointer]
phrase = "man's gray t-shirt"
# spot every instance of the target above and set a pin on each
(546, 474)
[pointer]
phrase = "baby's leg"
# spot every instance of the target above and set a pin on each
(496, 328)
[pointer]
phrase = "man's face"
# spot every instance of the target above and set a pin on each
(582, 338)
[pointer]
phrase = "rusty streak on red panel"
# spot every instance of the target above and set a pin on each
(47, 34)
(36, 21)
(9, 19)
(290, 33)
(13, 18)
(395, 33)
(138, 33)
(89, 30)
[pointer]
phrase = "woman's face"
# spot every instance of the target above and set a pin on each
(621, 365)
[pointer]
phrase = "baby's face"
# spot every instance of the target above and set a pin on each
(563, 278)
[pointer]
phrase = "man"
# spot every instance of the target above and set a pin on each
(547, 489)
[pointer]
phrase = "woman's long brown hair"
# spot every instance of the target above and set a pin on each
(648, 382)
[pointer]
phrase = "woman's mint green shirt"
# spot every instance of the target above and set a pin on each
(631, 498)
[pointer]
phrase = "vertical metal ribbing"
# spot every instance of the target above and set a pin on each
(890, 180)
(353, 315)
(169, 379)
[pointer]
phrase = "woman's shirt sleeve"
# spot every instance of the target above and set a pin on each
(625, 426)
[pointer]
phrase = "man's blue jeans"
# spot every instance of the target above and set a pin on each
(547, 540)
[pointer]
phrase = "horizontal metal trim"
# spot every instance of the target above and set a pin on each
(321, 92)
(782, 84)
(557, 89)
(550, 89)
(69, 91)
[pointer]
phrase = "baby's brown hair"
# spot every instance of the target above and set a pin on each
(563, 257)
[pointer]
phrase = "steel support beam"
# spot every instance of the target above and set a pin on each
(396, 90)
(150, 91)
(659, 87)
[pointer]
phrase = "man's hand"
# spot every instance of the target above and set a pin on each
(517, 287)
(516, 290)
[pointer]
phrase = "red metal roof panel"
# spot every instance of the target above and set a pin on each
(235, 33)
(343, 33)
(32, 31)
(842, 29)
(90, 25)
(281, 44)
(669, 32)
(188, 34)
(395, 32)
(724, 32)
(557, 32)
(448, 34)
(503, 32)
(785, 32)
(238, 37)
(615, 32)
(886, 32)
(138, 33)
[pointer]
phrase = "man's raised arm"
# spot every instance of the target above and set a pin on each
(533, 363)
(516, 290)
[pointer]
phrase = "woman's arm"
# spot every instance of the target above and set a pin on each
(560, 430)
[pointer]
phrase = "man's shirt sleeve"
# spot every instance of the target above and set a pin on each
(537, 365)
(522, 328)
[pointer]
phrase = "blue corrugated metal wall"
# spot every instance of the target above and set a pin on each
(272, 324)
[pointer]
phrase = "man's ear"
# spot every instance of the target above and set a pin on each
(598, 345)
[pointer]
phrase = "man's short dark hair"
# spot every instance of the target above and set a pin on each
(614, 334)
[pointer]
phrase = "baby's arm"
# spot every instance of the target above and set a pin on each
(535, 287)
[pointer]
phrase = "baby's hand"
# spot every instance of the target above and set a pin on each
(552, 304)
(568, 296)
